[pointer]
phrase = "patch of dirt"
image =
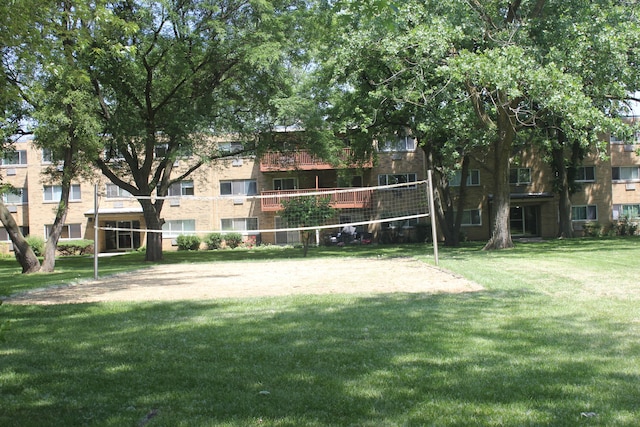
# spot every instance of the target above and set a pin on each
(257, 279)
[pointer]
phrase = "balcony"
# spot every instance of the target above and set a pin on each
(271, 200)
(303, 160)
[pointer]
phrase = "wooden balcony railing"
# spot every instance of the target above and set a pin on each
(303, 160)
(271, 200)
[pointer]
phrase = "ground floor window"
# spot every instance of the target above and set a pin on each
(239, 224)
(584, 213)
(471, 217)
(173, 228)
(285, 237)
(69, 231)
(626, 211)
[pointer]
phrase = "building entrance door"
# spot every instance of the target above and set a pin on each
(523, 221)
(123, 237)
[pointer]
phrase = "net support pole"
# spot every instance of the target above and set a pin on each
(434, 232)
(96, 248)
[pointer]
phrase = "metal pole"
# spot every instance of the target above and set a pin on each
(434, 232)
(96, 248)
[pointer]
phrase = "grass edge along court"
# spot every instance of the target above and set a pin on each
(552, 340)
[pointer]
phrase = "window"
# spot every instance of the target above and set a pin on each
(246, 187)
(182, 188)
(586, 174)
(173, 228)
(634, 140)
(519, 176)
(388, 179)
(285, 184)
(160, 150)
(18, 157)
(16, 197)
(4, 234)
(52, 193)
(473, 179)
(113, 192)
(47, 156)
(471, 217)
(113, 153)
(584, 213)
(239, 224)
(401, 143)
(629, 173)
(69, 231)
(230, 147)
(614, 140)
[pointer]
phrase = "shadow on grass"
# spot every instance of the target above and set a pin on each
(483, 359)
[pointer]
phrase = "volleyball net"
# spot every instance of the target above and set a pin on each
(387, 212)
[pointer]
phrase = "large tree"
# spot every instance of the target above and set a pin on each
(180, 72)
(492, 54)
(45, 67)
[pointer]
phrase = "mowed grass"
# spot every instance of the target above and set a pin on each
(552, 341)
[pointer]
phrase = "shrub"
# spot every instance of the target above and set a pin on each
(625, 227)
(188, 242)
(213, 241)
(37, 244)
(233, 240)
(75, 247)
(592, 229)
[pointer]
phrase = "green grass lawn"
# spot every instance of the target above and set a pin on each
(552, 341)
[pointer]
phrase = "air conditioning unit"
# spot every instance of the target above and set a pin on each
(174, 202)
(238, 201)
(11, 172)
(396, 157)
(629, 148)
(236, 162)
(12, 209)
(630, 187)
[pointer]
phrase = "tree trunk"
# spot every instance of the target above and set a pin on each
(501, 232)
(23, 252)
(154, 239)
(462, 198)
(306, 237)
(565, 228)
(49, 261)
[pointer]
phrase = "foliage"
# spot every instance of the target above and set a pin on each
(306, 212)
(213, 241)
(482, 73)
(188, 242)
(593, 229)
(625, 226)
(233, 240)
(37, 244)
(75, 247)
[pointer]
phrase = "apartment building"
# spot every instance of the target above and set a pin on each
(609, 190)
(211, 199)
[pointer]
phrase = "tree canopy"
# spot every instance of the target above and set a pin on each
(512, 65)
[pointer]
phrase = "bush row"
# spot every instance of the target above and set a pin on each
(190, 242)
(622, 227)
(65, 247)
